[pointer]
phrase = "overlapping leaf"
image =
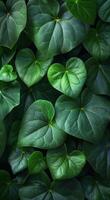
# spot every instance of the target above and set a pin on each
(39, 128)
(69, 79)
(81, 117)
(13, 16)
(40, 188)
(29, 68)
(64, 165)
(53, 34)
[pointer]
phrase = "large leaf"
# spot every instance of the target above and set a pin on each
(99, 76)
(39, 128)
(8, 187)
(85, 10)
(96, 189)
(18, 160)
(104, 11)
(81, 117)
(40, 188)
(69, 79)
(2, 138)
(64, 165)
(97, 41)
(99, 156)
(53, 34)
(9, 97)
(12, 21)
(29, 68)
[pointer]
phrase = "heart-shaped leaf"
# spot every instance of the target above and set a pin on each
(53, 28)
(36, 162)
(18, 160)
(85, 10)
(39, 187)
(81, 117)
(39, 128)
(29, 68)
(64, 165)
(69, 79)
(13, 16)
(7, 74)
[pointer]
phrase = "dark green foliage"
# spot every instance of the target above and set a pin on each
(54, 99)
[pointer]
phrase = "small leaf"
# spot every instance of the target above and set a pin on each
(29, 68)
(18, 160)
(36, 163)
(7, 74)
(63, 165)
(69, 79)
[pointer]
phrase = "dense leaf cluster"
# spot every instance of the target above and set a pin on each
(54, 99)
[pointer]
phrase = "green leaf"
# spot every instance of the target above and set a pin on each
(29, 68)
(99, 156)
(8, 187)
(7, 74)
(97, 42)
(69, 79)
(96, 189)
(99, 3)
(64, 165)
(85, 10)
(81, 117)
(2, 138)
(13, 18)
(104, 11)
(99, 76)
(13, 134)
(18, 160)
(40, 188)
(39, 128)
(7, 55)
(53, 31)
(36, 163)
(9, 97)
